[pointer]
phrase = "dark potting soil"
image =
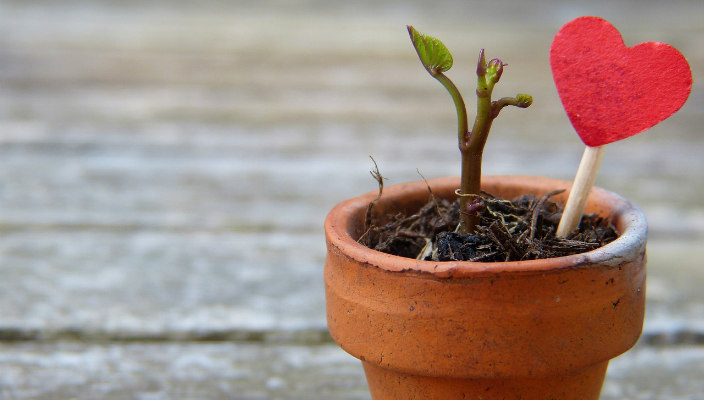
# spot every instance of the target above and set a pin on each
(520, 229)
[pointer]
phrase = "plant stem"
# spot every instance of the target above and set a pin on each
(471, 148)
(462, 124)
(470, 185)
(436, 59)
(488, 74)
(474, 148)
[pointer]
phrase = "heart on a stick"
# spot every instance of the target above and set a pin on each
(611, 91)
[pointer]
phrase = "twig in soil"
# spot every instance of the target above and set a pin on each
(432, 196)
(368, 225)
(536, 211)
(427, 250)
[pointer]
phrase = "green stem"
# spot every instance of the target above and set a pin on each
(462, 124)
(482, 123)
(471, 145)
(436, 59)
(472, 154)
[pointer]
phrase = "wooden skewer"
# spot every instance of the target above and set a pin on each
(583, 182)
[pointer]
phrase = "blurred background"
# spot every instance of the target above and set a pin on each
(166, 167)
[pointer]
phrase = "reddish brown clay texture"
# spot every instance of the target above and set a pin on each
(539, 329)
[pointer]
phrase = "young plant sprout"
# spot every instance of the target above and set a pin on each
(437, 60)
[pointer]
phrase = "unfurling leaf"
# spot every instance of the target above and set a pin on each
(432, 52)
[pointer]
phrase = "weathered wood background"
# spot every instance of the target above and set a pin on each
(165, 168)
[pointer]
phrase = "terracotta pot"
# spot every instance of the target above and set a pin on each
(542, 329)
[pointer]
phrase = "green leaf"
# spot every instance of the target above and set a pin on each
(432, 52)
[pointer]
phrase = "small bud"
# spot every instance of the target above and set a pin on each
(494, 70)
(524, 100)
(481, 64)
(475, 207)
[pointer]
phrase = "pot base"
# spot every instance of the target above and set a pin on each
(385, 384)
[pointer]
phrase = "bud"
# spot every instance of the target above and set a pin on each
(523, 100)
(481, 64)
(475, 207)
(494, 70)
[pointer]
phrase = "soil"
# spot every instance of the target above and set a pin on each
(519, 229)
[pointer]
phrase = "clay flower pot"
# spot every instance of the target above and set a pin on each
(541, 329)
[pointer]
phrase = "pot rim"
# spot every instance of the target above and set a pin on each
(629, 218)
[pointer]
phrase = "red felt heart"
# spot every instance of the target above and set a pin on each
(611, 91)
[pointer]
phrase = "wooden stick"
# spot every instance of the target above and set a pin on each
(583, 182)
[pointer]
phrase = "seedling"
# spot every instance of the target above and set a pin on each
(437, 60)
